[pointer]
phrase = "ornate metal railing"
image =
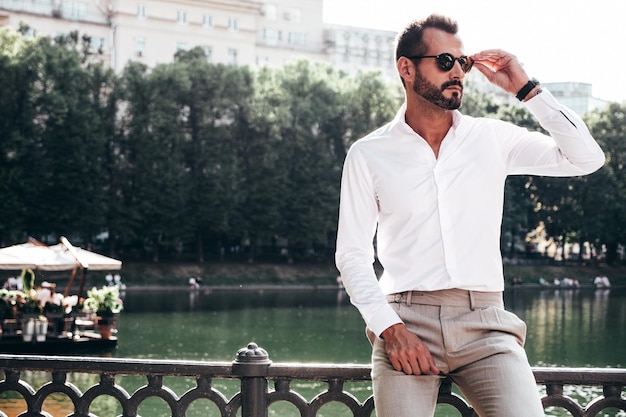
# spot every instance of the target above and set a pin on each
(254, 369)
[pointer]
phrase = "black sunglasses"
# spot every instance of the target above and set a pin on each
(446, 61)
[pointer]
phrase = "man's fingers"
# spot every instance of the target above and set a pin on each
(414, 366)
(406, 352)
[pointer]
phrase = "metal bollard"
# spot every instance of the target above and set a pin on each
(251, 365)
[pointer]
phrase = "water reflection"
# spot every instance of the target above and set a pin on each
(207, 299)
(581, 327)
(577, 327)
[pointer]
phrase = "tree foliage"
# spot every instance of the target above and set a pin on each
(206, 161)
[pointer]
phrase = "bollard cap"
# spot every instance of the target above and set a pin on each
(252, 361)
(252, 353)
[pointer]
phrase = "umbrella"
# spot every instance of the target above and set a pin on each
(87, 260)
(60, 257)
(37, 255)
(12, 262)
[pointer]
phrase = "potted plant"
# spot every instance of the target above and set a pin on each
(27, 304)
(54, 311)
(8, 311)
(105, 302)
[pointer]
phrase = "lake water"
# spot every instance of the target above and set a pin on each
(565, 327)
(573, 328)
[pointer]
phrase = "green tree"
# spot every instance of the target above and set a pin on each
(57, 140)
(369, 102)
(216, 109)
(309, 98)
(605, 222)
(157, 188)
(16, 129)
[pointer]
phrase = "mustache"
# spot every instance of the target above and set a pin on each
(451, 83)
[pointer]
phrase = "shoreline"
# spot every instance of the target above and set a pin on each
(325, 287)
(276, 276)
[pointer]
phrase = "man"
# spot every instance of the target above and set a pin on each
(429, 185)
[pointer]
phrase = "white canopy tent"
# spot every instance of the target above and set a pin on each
(13, 263)
(60, 257)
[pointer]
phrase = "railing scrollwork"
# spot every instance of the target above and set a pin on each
(256, 373)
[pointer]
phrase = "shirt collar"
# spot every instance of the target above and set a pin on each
(400, 121)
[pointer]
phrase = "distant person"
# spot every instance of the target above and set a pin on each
(11, 283)
(569, 282)
(117, 280)
(602, 281)
(429, 187)
(45, 293)
(193, 284)
(109, 279)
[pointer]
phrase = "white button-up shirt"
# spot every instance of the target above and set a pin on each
(437, 220)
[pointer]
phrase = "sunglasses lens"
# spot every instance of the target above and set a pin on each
(466, 63)
(445, 61)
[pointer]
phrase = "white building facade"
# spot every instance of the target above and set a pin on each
(241, 32)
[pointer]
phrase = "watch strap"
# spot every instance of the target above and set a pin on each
(523, 92)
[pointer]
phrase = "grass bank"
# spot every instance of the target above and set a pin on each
(177, 274)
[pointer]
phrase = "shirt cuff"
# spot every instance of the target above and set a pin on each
(383, 319)
(543, 104)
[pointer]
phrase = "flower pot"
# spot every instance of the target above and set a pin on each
(105, 325)
(28, 329)
(105, 331)
(41, 330)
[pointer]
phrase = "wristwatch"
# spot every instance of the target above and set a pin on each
(523, 92)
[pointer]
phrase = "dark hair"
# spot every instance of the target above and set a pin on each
(410, 40)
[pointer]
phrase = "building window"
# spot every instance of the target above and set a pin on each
(293, 15)
(74, 10)
(207, 20)
(232, 56)
(140, 46)
(96, 44)
(181, 17)
(30, 32)
(141, 11)
(208, 51)
(297, 38)
(233, 24)
(272, 36)
(182, 46)
(270, 11)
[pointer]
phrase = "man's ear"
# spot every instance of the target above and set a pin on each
(406, 68)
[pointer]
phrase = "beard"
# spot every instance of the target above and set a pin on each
(433, 94)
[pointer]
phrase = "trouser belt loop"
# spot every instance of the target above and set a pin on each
(409, 298)
(471, 300)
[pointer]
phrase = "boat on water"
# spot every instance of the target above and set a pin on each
(36, 319)
(69, 328)
(91, 343)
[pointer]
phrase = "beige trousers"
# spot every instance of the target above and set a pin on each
(474, 341)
